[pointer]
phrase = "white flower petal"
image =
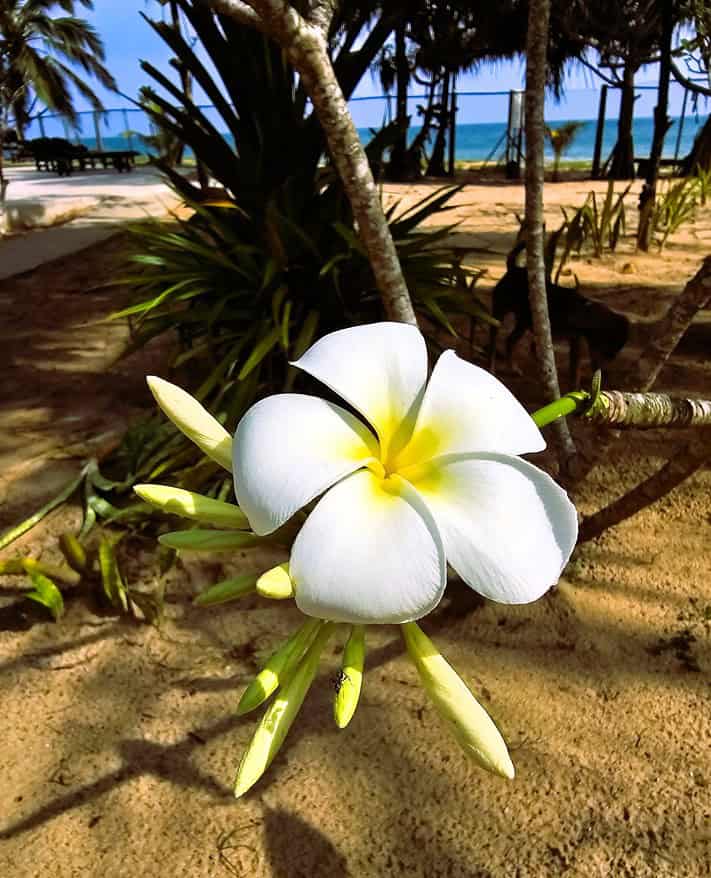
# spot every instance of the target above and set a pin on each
(288, 449)
(508, 529)
(466, 410)
(380, 369)
(369, 552)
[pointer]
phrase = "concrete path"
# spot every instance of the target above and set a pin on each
(104, 199)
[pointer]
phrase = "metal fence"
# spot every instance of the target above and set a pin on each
(480, 130)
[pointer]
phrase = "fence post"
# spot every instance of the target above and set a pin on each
(681, 126)
(41, 126)
(97, 131)
(127, 129)
(514, 135)
(452, 125)
(599, 133)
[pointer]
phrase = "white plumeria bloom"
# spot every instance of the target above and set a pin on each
(428, 476)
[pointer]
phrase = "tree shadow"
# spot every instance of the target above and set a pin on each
(299, 849)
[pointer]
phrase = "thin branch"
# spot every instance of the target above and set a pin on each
(675, 471)
(689, 83)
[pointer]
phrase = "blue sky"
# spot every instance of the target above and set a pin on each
(128, 38)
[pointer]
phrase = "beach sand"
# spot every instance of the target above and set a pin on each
(120, 741)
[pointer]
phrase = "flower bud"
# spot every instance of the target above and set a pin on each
(208, 540)
(193, 420)
(191, 505)
(471, 725)
(276, 583)
(228, 590)
(278, 718)
(277, 668)
(350, 680)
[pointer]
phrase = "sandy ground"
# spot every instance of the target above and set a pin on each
(120, 740)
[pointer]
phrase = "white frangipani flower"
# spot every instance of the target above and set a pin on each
(429, 476)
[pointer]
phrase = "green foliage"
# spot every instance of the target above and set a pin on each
(271, 259)
(594, 224)
(39, 53)
(46, 593)
(702, 177)
(674, 206)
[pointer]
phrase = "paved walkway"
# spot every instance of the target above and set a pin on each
(112, 199)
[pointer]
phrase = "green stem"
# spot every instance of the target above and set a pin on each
(570, 404)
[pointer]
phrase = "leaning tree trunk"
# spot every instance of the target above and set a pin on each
(661, 126)
(436, 168)
(669, 331)
(536, 50)
(622, 167)
(305, 47)
(397, 169)
(675, 471)
(700, 155)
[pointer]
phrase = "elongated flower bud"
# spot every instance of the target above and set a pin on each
(208, 540)
(278, 718)
(228, 590)
(276, 583)
(278, 667)
(188, 504)
(193, 420)
(350, 680)
(471, 725)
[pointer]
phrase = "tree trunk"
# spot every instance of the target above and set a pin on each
(673, 473)
(536, 49)
(306, 50)
(661, 126)
(670, 329)
(700, 155)
(436, 168)
(397, 166)
(622, 167)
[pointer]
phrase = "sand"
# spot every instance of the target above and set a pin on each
(121, 741)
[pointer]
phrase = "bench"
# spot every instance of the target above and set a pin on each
(64, 163)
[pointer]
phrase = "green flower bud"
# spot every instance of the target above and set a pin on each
(350, 680)
(188, 504)
(278, 718)
(278, 667)
(193, 420)
(208, 540)
(471, 725)
(276, 583)
(228, 590)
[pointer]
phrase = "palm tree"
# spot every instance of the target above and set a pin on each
(44, 56)
(560, 139)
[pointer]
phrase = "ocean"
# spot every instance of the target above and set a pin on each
(478, 142)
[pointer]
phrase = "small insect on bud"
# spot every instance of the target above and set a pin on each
(350, 680)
